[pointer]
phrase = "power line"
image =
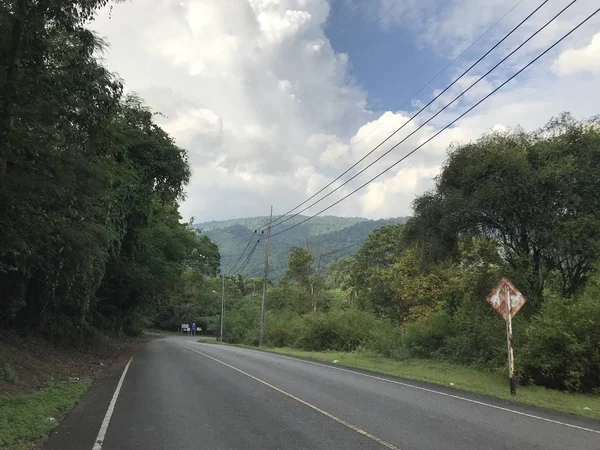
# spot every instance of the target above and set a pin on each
(447, 126)
(432, 117)
(408, 121)
(243, 266)
(245, 248)
(405, 102)
(381, 123)
(248, 258)
(256, 267)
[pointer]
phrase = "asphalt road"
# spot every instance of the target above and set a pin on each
(181, 394)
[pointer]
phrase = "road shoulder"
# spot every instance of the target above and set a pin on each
(469, 396)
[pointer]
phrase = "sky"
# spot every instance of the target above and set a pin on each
(274, 99)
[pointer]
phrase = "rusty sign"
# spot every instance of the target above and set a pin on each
(507, 301)
(497, 298)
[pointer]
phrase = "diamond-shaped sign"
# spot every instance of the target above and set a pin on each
(497, 298)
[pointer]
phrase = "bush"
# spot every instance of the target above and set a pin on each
(476, 335)
(562, 349)
(343, 330)
(241, 324)
(425, 338)
(283, 329)
(386, 340)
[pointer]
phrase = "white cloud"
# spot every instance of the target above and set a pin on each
(244, 86)
(451, 26)
(381, 197)
(269, 111)
(584, 59)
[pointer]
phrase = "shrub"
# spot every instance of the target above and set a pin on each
(241, 325)
(562, 348)
(283, 329)
(386, 340)
(425, 338)
(476, 334)
(343, 330)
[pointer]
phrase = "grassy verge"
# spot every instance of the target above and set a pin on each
(27, 419)
(459, 377)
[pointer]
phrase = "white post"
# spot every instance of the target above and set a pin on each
(511, 361)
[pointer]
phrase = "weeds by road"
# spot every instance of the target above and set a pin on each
(26, 420)
(41, 381)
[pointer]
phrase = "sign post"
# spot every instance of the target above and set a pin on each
(511, 360)
(507, 301)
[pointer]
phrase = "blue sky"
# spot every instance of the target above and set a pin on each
(380, 56)
(273, 99)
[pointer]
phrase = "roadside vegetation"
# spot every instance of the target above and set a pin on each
(90, 233)
(92, 245)
(40, 381)
(25, 421)
(517, 204)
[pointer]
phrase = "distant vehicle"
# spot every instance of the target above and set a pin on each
(185, 328)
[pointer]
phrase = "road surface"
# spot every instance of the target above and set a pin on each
(178, 393)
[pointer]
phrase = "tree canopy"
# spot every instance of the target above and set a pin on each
(90, 233)
(534, 194)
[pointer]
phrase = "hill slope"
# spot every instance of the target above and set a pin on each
(336, 237)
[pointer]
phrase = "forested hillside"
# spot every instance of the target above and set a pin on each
(327, 238)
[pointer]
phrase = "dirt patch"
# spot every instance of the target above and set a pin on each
(31, 363)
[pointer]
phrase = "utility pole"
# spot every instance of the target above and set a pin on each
(310, 278)
(222, 306)
(261, 331)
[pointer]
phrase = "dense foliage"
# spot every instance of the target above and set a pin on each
(516, 204)
(90, 234)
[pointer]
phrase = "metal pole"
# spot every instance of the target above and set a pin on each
(222, 307)
(511, 361)
(261, 330)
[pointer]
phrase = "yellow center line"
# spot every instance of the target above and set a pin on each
(304, 402)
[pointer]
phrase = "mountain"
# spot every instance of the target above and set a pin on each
(327, 238)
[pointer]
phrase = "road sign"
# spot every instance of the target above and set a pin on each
(507, 301)
(497, 298)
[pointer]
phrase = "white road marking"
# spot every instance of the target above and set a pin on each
(109, 411)
(433, 391)
(304, 402)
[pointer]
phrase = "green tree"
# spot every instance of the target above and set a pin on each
(300, 267)
(90, 234)
(535, 194)
(371, 269)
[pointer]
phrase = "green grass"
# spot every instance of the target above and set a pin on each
(25, 420)
(459, 377)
